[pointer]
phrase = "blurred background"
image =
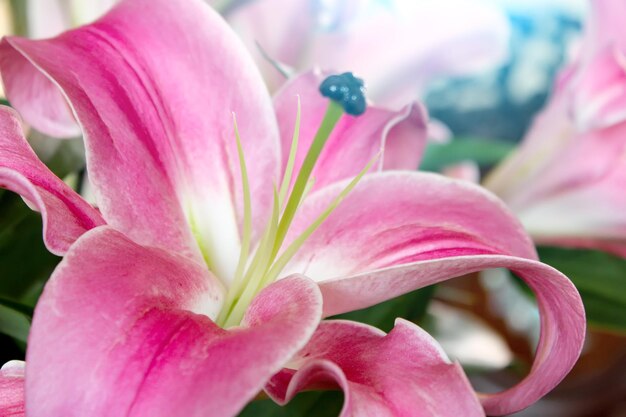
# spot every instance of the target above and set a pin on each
(482, 94)
(500, 103)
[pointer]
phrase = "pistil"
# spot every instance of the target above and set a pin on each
(347, 96)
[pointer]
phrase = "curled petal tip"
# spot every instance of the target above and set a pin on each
(346, 90)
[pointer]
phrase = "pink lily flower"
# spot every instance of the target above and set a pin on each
(566, 179)
(397, 46)
(201, 279)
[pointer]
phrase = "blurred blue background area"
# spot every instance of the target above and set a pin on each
(501, 104)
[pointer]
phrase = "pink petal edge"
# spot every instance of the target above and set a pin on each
(562, 313)
(66, 216)
(404, 373)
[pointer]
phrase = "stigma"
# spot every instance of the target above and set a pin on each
(346, 90)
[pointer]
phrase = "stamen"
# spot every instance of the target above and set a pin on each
(347, 95)
(247, 208)
(254, 276)
(280, 264)
(309, 186)
(292, 158)
(332, 116)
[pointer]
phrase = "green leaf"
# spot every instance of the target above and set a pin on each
(309, 404)
(484, 152)
(14, 323)
(601, 280)
(20, 17)
(25, 263)
(24, 309)
(411, 306)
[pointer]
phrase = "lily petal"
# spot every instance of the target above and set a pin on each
(399, 217)
(355, 140)
(38, 99)
(603, 28)
(550, 132)
(155, 107)
(582, 211)
(66, 216)
(600, 92)
(12, 389)
(562, 313)
(140, 318)
(564, 185)
(404, 373)
(565, 180)
(395, 234)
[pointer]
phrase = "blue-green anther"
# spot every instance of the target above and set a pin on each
(346, 90)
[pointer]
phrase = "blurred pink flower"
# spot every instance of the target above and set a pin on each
(136, 319)
(566, 180)
(396, 45)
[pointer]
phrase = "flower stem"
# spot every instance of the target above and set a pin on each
(247, 284)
